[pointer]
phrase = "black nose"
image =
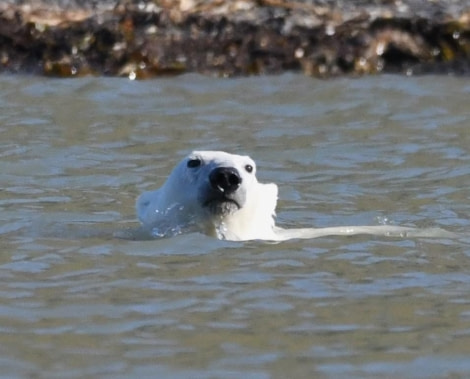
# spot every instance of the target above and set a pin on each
(225, 179)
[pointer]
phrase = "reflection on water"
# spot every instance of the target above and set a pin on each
(76, 302)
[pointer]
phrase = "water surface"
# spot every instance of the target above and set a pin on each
(76, 302)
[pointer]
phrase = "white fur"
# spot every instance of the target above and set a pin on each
(178, 206)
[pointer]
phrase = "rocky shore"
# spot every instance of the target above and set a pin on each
(322, 38)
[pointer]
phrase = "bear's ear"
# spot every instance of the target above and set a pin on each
(271, 189)
(268, 198)
(143, 202)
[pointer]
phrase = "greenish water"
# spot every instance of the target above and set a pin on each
(76, 302)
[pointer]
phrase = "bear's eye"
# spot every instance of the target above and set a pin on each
(249, 168)
(193, 163)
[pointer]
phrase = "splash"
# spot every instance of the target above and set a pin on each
(176, 222)
(221, 231)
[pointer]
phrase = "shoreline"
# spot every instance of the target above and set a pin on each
(146, 39)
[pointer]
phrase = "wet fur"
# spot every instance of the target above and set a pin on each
(187, 202)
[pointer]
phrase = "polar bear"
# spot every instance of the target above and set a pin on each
(214, 192)
(218, 194)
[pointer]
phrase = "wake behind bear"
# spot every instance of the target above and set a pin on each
(218, 194)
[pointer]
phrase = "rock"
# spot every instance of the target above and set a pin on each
(322, 38)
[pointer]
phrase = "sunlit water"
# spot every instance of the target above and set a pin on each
(76, 302)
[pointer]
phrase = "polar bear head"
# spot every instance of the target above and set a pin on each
(213, 192)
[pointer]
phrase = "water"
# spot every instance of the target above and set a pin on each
(76, 302)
